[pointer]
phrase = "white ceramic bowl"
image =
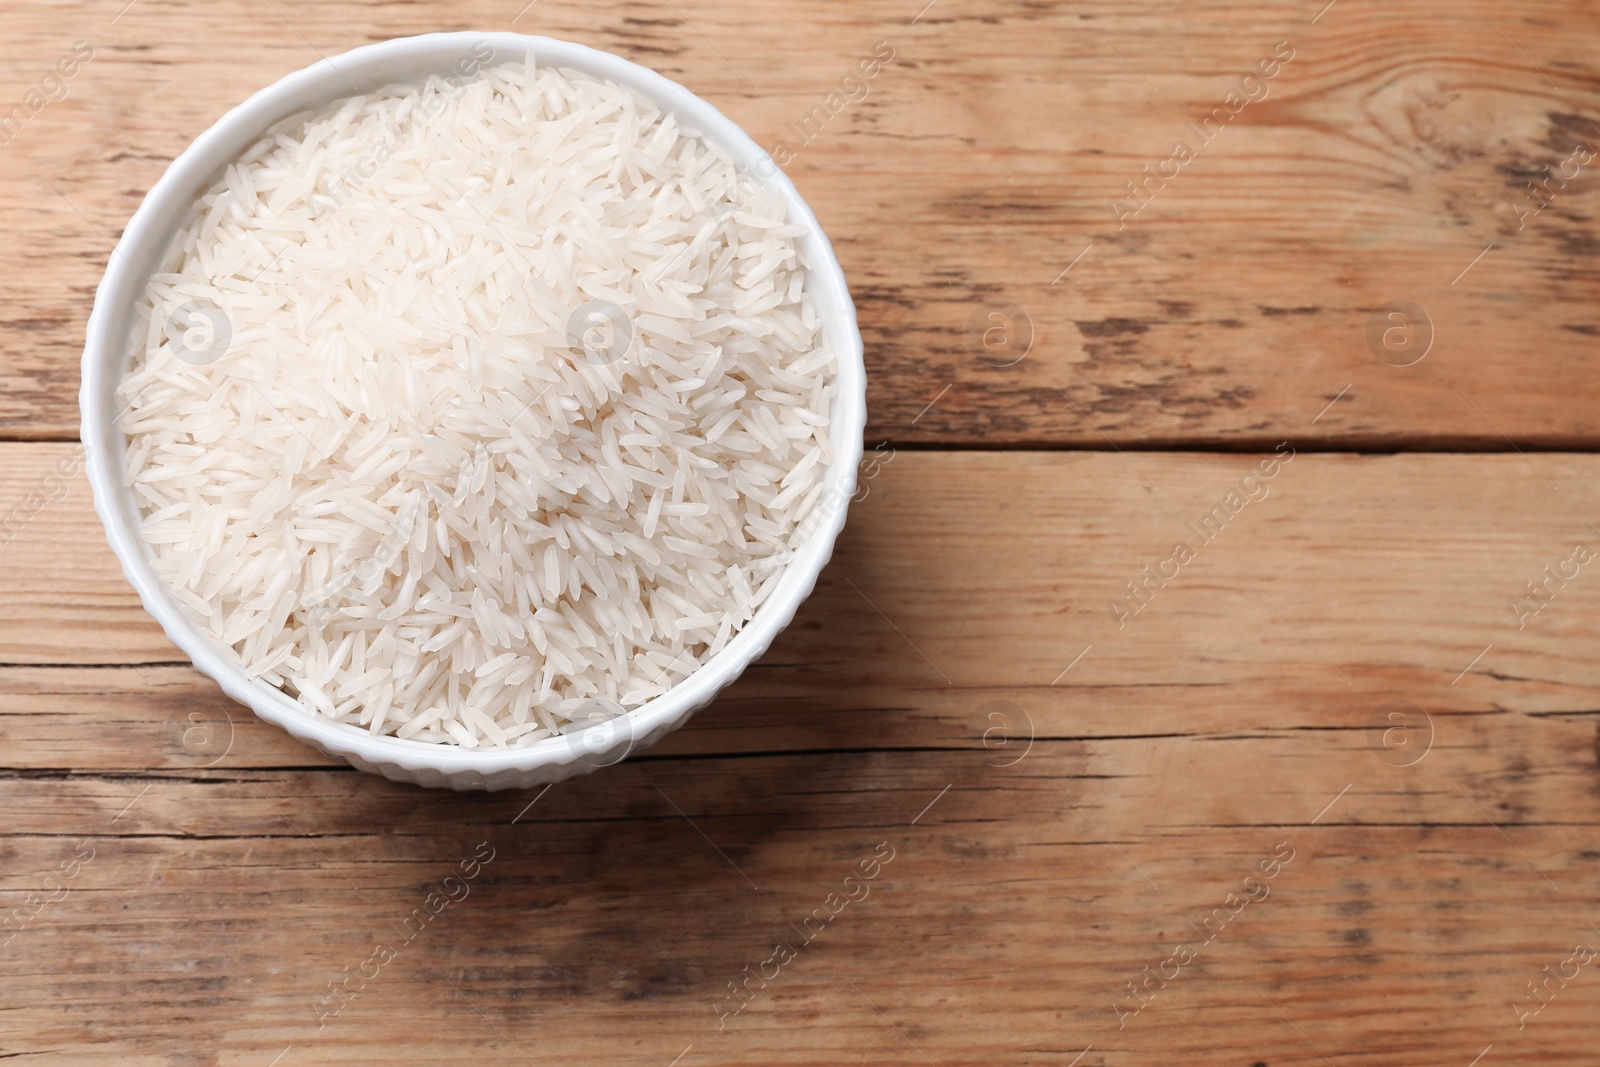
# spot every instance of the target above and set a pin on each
(106, 355)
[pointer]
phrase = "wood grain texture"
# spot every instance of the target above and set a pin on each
(1403, 566)
(1086, 825)
(1392, 149)
(1073, 777)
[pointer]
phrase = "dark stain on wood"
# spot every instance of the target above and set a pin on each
(1114, 327)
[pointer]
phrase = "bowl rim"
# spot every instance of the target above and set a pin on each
(106, 355)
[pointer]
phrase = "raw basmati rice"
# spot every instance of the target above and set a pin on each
(510, 400)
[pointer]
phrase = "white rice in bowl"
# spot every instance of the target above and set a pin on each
(463, 407)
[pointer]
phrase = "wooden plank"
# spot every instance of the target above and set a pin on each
(1348, 575)
(174, 719)
(1383, 160)
(1016, 906)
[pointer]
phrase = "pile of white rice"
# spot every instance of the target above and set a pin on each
(401, 493)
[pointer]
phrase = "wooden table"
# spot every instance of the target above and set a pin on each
(1317, 790)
